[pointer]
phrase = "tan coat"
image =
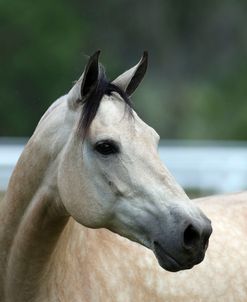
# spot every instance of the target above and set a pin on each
(46, 256)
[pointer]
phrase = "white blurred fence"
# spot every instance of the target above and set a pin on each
(10, 150)
(206, 166)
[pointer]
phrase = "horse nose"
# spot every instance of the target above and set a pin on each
(185, 243)
(196, 237)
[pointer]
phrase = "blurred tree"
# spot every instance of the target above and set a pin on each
(40, 43)
(195, 87)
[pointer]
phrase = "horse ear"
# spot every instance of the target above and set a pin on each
(90, 75)
(86, 83)
(130, 79)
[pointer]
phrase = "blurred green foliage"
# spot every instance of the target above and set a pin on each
(196, 84)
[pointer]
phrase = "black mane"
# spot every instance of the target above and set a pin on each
(92, 101)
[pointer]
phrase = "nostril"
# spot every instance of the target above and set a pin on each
(191, 237)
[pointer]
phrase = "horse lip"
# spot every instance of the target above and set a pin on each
(165, 260)
(168, 262)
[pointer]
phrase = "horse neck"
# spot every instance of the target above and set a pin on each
(32, 218)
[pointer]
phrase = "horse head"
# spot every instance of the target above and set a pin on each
(110, 174)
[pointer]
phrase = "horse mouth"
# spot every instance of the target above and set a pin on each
(168, 262)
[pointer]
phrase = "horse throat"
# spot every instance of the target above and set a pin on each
(32, 219)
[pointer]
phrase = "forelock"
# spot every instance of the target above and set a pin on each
(92, 101)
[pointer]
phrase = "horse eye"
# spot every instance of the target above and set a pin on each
(106, 147)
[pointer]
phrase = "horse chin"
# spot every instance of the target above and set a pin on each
(168, 262)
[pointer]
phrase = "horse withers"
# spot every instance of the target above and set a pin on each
(92, 161)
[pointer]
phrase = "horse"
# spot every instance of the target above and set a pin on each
(92, 214)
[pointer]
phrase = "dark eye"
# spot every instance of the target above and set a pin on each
(106, 147)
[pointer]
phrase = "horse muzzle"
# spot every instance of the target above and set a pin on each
(184, 247)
